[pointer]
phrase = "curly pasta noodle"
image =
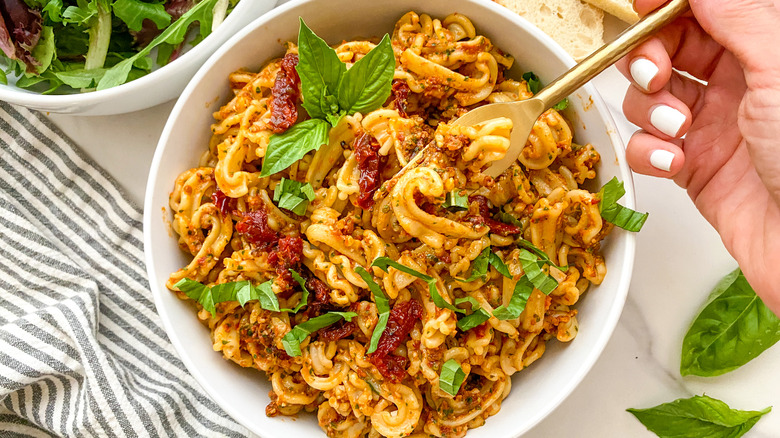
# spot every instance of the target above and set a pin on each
(226, 218)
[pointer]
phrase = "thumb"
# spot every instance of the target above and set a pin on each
(746, 28)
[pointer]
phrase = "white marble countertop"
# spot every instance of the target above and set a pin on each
(679, 260)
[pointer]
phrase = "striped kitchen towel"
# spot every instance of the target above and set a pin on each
(82, 350)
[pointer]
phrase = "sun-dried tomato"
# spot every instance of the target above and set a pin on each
(482, 217)
(254, 227)
(286, 256)
(369, 162)
(337, 331)
(403, 316)
(285, 95)
(224, 203)
(400, 96)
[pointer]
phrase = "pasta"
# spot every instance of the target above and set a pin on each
(459, 247)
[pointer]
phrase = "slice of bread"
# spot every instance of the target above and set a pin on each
(623, 9)
(578, 27)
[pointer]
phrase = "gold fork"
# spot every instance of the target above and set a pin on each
(525, 112)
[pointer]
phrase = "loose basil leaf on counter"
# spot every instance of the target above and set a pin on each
(451, 377)
(285, 149)
(532, 267)
(293, 195)
(733, 328)
(320, 70)
(366, 85)
(611, 211)
(382, 308)
(384, 262)
(698, 416)
(520, 294)
(292, 340)
(455, 201)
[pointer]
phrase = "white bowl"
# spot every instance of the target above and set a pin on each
(161, 85)
(243, 393)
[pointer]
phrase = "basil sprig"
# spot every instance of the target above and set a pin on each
(293, 195)
(293, 339)
(611, 211)
(698, 416)
(451, 377)
(330, 91)
(382, 308)
(733, 328)
(241, 291)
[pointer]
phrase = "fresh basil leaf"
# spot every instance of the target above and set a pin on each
(455, 201)
(451, 377)
(562, 105)
(382, 308)
(174, 34)
(534, 84)
(468, 322)
(292, 340)
(698, 416)
(520, 294)
(611, 211)
(134, 12)
(320, 70)
(241, 291)
(383, 263)
(533, 270)
(366, 85)
(733, 328)
(471, 300)
(264, 293)
(285, 149)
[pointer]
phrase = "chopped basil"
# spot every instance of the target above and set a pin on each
(534, 84)
(455, 201)
(611, 211)
(329, 92)
(532, 267)
(479, 266)
(698, 416)
(293, 195)
(468, 322)
(539, 253)
(509, 219)
(562, 105)
(520, 294)
(292, 340)
(383, 263)
(241, 291)
(451, 377)
(382, 307)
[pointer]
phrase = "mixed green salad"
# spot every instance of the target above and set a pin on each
(65, 45)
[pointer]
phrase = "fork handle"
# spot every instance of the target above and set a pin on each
(609, 53)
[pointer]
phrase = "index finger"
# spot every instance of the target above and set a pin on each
(644, 7)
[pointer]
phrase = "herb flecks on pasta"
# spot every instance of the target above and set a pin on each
(389, 305)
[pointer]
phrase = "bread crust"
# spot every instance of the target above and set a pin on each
(622, 9)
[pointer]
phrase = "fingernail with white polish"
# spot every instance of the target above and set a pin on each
(661, 159)
(667, 120)
(643, 71)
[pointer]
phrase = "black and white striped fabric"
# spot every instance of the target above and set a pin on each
(82, 350)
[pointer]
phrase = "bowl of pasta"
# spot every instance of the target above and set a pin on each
(300, 272)
(101, 57)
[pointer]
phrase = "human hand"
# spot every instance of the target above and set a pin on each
(729, 160)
